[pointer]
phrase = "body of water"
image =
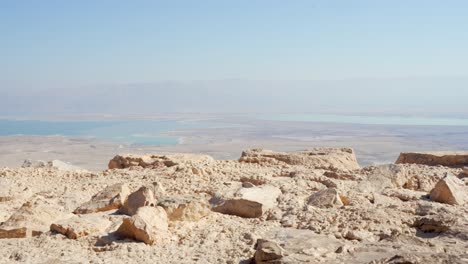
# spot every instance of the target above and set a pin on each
(146, 132)
(155, 132)
(365, 120)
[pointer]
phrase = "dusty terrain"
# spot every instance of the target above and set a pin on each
(316, 206)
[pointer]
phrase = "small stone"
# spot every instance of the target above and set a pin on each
(326, 198)
(359, 235)
(449, 190)
(248, 202)
(247, 185)
(110, 198)
(267, 252)
(148, 225)
(344, 249)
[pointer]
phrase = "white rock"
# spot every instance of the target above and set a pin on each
(325, 199)
(449, 190)
(142, 197)
(82, 225)
(148, 225)
(110, 198)
(248, 202)
(184, 207)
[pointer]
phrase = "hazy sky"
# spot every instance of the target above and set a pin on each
(67, 45)
(144, 41)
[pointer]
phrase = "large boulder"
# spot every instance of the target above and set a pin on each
(449, 190)
(148, 225)
(32, 218)
(184, 207)
(142, 197)
(326, 199)
(82, 225)
(248, 202)
(153, 161)
(333, 159)
(448, 159)
(110, 198)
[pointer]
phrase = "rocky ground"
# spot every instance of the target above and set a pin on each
(316, 206)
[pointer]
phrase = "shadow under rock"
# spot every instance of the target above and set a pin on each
(422, 234)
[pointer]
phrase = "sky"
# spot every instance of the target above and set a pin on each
(70, 46)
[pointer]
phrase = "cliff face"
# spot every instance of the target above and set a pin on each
(313, 206)
(448, 159)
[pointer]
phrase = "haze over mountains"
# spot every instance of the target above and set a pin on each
(433, 96)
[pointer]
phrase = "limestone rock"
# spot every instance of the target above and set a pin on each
(158, 190)
(360, 235)
(267, 252)
(5, 190)
(148, 225)
(434, 223)
(404, 194)
(11, 232)
(82, 225)
(34, 164)
(320, 158)
(184, 207)
(465, 171)
(110, 198)
(326, 199)
(63, 166)
(152, 161)
(302, 246)
(142, 197)
(448, 159)
(417, 258)
(449, 190)
(248, 202)
(33, 218)
(57, 164)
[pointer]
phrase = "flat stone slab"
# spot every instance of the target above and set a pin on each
(457, 159)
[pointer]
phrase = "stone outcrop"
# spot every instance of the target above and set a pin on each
(142, 197)
(448, 159)
(110, 198)
(148, 225)
(320, 158)
(450, 190)
(154, 161)
(184, 207)
(248, 202)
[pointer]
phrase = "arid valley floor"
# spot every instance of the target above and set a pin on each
(316, 206)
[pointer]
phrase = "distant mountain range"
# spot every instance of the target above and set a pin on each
(424, 96)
